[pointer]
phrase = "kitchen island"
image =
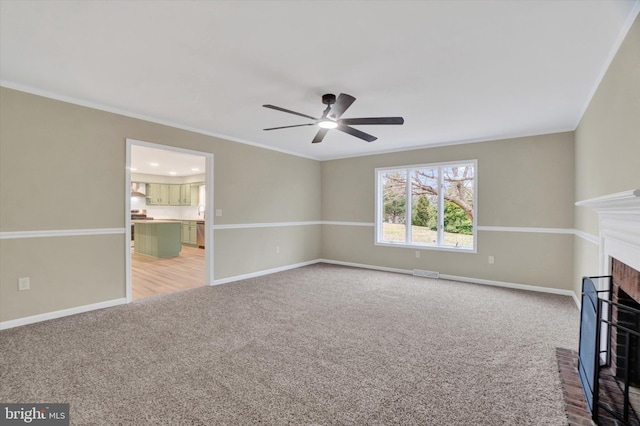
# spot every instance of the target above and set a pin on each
(157, 238)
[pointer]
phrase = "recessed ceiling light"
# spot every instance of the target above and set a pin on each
(195, 169)
(172, 173)
(133, 169)
(154, 164)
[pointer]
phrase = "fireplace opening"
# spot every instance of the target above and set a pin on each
(631, 320)
(626, 292)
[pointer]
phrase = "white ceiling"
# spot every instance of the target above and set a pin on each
(165, 163)
(457, 71)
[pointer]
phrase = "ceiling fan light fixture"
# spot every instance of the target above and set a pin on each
(327, 124)
(331, 118)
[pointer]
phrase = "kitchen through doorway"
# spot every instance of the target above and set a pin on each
(169, 205)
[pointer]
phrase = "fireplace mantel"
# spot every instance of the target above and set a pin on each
(627, 202)
(619, 223)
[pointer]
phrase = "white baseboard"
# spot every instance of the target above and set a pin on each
(526, 287)
(264, 272)
(109, 303)
(62, 313)
(575, 299)
(364, 266)
(464, 279)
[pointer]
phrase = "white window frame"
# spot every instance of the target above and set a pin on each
(379, 209)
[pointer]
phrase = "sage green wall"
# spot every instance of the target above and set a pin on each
(62, 167)
(523, 182)
(607, 145)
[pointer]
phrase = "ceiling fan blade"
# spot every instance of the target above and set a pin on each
(287, 127)
(320, 135)
(355, 132)
(373, 120)
(289, 111)
(343, 102)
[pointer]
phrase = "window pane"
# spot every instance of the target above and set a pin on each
(424, 206)
(394, 199)
(458, 205)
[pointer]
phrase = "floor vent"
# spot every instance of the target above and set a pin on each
(426, 274)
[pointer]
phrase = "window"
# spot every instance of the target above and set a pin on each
(427, 206)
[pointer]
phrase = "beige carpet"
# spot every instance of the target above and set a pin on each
(317, 345)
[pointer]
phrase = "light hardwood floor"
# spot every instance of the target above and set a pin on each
(151, 276)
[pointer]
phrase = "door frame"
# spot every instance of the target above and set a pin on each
(208, 212)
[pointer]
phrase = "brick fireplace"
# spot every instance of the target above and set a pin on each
(616, 391)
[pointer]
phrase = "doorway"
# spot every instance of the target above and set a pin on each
(169, 201)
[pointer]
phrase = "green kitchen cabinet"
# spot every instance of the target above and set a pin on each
(169, 194)
(193, 233)
(189, 194)
(157, 238)
(158, 194)
(190, 232)
(153, 193)
(185, 232)
(195, 195)
(174, 195)
(185, 194)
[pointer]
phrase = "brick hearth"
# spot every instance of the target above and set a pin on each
(574, 401)
(575, 404)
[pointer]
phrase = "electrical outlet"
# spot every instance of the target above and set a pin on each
(277, 249)
(417, 253)
(24, 283)
(218, 212)
(491, 260)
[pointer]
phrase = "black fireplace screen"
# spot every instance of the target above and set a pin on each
(588, 353)
(607, 387)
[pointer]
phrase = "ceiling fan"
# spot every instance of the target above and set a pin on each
(330, 118)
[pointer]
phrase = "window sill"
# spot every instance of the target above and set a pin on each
(428, 247)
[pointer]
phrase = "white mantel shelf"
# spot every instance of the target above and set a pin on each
(619, 223)
(627, 202)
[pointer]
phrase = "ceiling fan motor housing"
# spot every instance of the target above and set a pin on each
(329, 99)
